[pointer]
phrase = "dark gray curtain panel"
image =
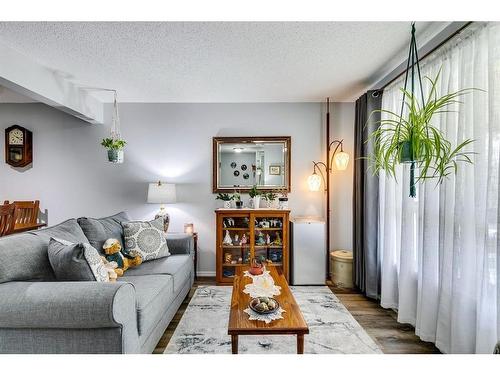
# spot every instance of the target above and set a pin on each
(366, 270)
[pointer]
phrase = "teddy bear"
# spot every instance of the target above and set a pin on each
(110, 267)
(123, 259)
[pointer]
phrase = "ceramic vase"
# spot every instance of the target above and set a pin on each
(256, 201)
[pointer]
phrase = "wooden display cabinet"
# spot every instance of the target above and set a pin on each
(261, 233)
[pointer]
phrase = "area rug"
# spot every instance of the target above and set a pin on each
(332, 329)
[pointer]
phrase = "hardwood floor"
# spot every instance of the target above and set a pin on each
(380, 324)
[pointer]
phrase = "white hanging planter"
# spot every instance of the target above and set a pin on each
(115, 156)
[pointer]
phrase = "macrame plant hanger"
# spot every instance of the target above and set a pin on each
(115, 126)
(411, 65)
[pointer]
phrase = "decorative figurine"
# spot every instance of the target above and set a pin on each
(227, 258)
(264, 224)
(277, 241)
(243, 240)
(227, 239)
(260, 240)
(233, 262)
(268, 239)
(236, 238)
(240, 260)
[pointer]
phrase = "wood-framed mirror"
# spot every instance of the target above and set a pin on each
(241, 162)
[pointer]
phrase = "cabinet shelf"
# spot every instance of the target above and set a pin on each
(264, 229)
(236, 228)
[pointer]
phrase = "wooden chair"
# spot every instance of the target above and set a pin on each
(6, 219)
(26, 216)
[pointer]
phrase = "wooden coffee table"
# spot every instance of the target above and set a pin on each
(293, 322)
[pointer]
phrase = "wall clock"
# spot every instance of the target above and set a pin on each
(18, 146)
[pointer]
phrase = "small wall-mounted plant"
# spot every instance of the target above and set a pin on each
(115, 149)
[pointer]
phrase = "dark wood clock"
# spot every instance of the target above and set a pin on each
(18, 146)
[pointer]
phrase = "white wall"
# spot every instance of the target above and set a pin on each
(171, 142)
(342, 127)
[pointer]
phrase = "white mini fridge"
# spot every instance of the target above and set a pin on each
(307, 251)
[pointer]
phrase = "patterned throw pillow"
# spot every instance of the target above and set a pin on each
(76, 262)
(146, 238)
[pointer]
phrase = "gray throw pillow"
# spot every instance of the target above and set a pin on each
(99, 230)
(146, 238)
(76, 262)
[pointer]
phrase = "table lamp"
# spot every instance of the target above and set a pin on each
(162, 193)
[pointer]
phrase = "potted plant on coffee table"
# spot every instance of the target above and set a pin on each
(115, 149)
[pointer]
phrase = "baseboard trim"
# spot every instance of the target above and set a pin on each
(206, 273)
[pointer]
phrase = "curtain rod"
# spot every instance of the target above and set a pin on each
(438, 41)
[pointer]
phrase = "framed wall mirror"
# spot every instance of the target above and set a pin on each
(241, 162)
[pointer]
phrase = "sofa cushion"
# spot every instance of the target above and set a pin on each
(76, 262)
(68, 230)
(154, 294)
(179, 267)
(24, 255)
(146, 238)
(97, 231)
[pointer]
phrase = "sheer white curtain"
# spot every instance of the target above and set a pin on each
(440, 252)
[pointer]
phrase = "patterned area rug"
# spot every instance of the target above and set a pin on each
(333, 330)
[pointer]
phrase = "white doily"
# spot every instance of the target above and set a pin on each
(268, 318)
(262, 286)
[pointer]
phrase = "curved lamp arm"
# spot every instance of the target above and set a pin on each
(339, 144)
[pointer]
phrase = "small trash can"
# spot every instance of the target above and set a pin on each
(341, 268)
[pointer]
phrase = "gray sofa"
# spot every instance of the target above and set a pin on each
(41, 315)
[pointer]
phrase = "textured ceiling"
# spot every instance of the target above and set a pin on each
(219, 61)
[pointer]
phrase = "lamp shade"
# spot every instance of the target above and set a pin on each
(314, 182)
(341, 160)
(161, 193)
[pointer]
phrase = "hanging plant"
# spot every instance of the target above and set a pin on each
(411, 138)
(115, 144)
(115, 149)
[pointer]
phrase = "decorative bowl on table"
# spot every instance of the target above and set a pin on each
(264, 305)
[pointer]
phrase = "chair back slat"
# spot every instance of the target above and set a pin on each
(26, 212)
(6, 219)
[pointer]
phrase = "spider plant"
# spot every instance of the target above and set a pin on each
(412, 138)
